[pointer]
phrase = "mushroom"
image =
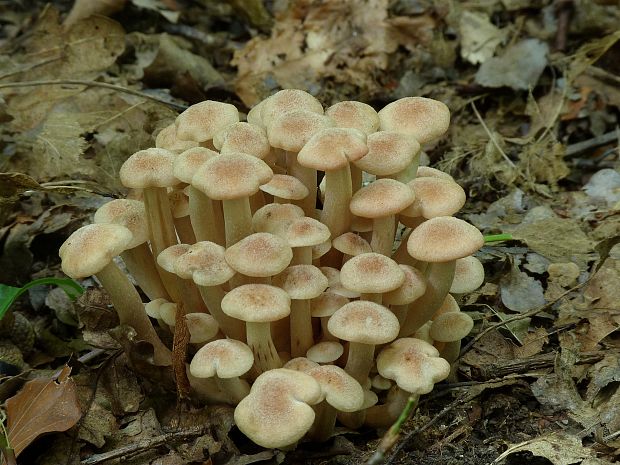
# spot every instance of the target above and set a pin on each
(167, 139)
(468, 276)
(423, 118)
(179, 204)
(302, 235)
(371, 274)
(325, 306)
(201, 121)
(412, 288)
(325, 352)
(351, 244)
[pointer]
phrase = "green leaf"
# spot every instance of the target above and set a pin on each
(8, 294)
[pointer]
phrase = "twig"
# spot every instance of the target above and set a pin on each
(491, 136)
(105, 85)
(582, 146)
(564, 11)
(144, 445)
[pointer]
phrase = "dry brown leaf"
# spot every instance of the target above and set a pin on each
(42, 406)
(532, 343)
(84, 8)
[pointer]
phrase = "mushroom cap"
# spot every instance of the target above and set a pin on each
(89, 249)
(205, 263)
(243, 137)
(285, 101)
(168, 257)
(382, 198)
(321, 249)
(333, 148)
(371, 273)
(364, 322)
(257, 303)
(201, 326)
(149, 168)
(301, 281)
(388, 153)
(380, 383)
(277, 411)
(340, 389)
(435, 197)
(259, 255)
(412, 288)
(152, 308)
(427, 171)
(231, 176)
(451, 327)
(128, 213)
(325, 352)
(168, 313)
(167, 139)
(305, 232)
(355, 115)
(414, 364)
(423, 118)
(326, 304)
(468, 275)
(200, 122)
(187, 163)
(443, 239)
(224, 358)
(275, 218)
(352, 244)
(254, 115)
(292, 130)
(301, 364)
(449, 305)
(286, 187)
(335, 286)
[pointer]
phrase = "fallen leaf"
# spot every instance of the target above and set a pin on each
(604, 187)
(520, 292)
(42, 406)
(532, 343)
(479, 37)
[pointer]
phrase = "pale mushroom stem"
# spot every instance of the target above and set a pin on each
(203, 217)
(259, 339)
(338, 192)
(141, 265)
(183, 226)
(380, 416)
(325, 334)
(301, 327)
(356, 178)
(360, 360)
(383, 230)
(302, 256)
(231, 327)
(439, 278)
(324, 422)
(236, 388)
(401, 255)
(372, 297)
(450, 351)
(308, 177)
(130, 309)
(409, 173)
(237, 219)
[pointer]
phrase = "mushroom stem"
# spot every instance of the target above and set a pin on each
(183, 226)
(159, 218)
(383, 230)
(259, 339)
(324, 422)
(237, 219)
(203, 217)
(231, 327)
(141, 265)
(360, 360)
(235, 387)
(130, 309)
(380, 416)
(308, 177)
(325, 334)
(301, 327)
(356, 178)
(302, 256)
(372, 297)
(338, 192)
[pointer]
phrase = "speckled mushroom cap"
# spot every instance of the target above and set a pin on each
(301, 281)
(277, 411)
(224, 358)
(187, 163)
(423, 118)
(231, 176)
(412, 288)
(259, 255)
(371, 273)
(168, 313)
(388, 153)
(149, 168)
(286, 187)
(254, 116)
(435, 197)
(291, 131)
(305, 232)
(351, 244)
(364, 322)
(200, 122)
(414, 364)
(333, 148)
(89, 249)
(167, 258)
(258, 303)
(355, 115)
(285, 101)
(340, 389)
(382, 198)
(427, 171)
(444, 239)
(451, 327)
(167, 139)
(205, 263)
(302, 364)
(128, 213)
(325, 352)
(326, 304)
(468, 275)
(275, 218)
(335, 286)
(449, 305)
(202, 327)
(152, 308)
(242, 137)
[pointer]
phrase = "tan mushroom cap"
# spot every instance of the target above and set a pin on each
(435, 197)
(380, 383)
(202, 327)
(427, 171)
(335, 286)
(321, 249)
(168, 313)
(423, 118)
(355, 115)
(205, 263)
(333, 148)
(258, 303)
(243, 137)
(306, 231)
(382, 198)
(412, 288)
(285, 101)
(149, 168)
(168, 257)
(277, 411)
(254, 116)
(152, 308)
(371, 273)
(231, 176)
(365, 322)
(468, 275)
(89, 249)
(388, 153)
(449, 305)
(444, 239)
(414, 364)
(200, 122)
(301, 281)
(326, 304)
(340, 389)
(286, 187)
(302, 364)
(351, 244)
(291, 131)
(325, 352)
(128, 213)
(187, 163)
(275, 218)
(259, 255)
(167, 139)
(451, 327)
(224, 358)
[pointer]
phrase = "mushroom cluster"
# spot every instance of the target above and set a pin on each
(302, 260)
